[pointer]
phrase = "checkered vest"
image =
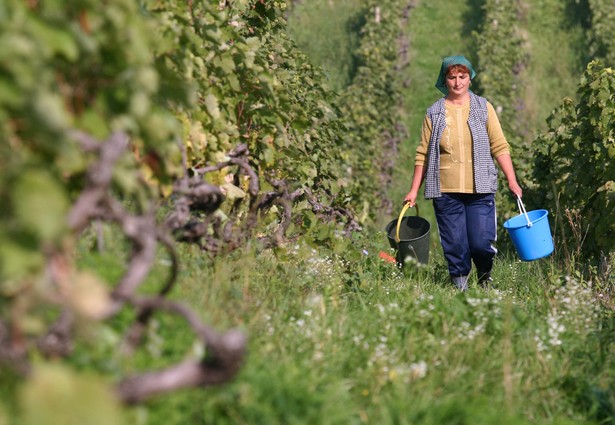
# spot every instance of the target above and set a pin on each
(485, 171)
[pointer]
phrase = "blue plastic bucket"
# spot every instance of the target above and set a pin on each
(531, 234)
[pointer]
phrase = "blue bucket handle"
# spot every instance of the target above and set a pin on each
(523, 211)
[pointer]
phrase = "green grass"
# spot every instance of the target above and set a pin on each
(556, 58)
(347, 338)
(350, 339)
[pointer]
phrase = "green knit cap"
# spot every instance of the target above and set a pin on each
(448, 61)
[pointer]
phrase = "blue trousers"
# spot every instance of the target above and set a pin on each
(467, 228)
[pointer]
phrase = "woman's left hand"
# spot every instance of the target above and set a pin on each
(515, 189)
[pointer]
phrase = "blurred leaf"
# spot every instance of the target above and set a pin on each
(9, 95)
(55, 40)
(232, 192)
(49, 109)
(16, 261)
(211, 103)
(89, 295)
(41, 204)
(56, 395)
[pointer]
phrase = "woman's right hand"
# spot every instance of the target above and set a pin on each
(411, 198)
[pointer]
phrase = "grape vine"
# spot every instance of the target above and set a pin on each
(111, 113)
(574, 166)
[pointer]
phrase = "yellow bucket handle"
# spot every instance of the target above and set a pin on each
(401, 216)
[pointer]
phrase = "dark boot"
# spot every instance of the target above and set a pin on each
(484, 279)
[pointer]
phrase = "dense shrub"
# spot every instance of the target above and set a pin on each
(574, 165)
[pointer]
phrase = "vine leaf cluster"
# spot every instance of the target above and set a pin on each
(111, 112)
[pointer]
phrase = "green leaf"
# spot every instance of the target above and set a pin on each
(232, 192)
(56, 395)
(94, 123)
(17, 261)
(4, 418)
(41, 204)
(211, 104)
(50, 111)
(56, 41)
(9, 95)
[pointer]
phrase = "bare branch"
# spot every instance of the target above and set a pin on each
(58, 342)
(189, 374)
(224, 356)
(135, 334)
(239, 156)
(12, 353)
(98, 177)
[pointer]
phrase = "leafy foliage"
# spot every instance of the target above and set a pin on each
(252, 86)
(66, 74)
(574, 167)
(373, 100)
(104, 108)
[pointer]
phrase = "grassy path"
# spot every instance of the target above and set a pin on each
(556, 58)
(435, 30)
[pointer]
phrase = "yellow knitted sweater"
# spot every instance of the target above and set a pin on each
(456, 171)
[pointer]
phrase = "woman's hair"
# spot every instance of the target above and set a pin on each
(457, 68)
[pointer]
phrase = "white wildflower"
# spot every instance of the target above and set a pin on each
(418, 370)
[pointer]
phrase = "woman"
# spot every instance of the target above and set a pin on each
(461, 137)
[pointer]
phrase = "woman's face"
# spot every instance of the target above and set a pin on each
(458, 83)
